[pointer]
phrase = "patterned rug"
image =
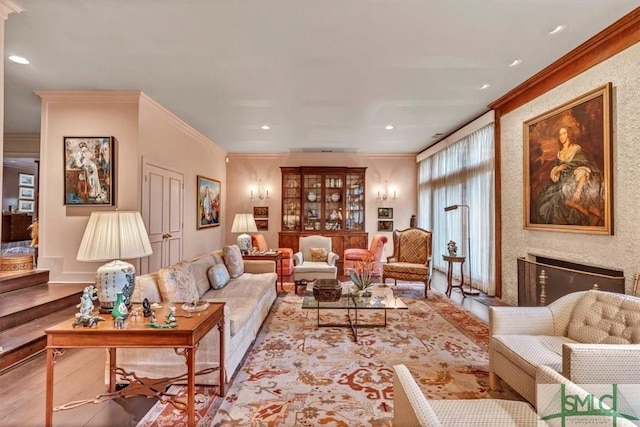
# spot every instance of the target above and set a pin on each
(299, 374)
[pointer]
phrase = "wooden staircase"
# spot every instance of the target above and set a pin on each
(29, 304)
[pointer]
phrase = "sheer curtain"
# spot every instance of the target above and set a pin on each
(462, 174)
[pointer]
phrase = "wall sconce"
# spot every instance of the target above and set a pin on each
(259, 195)
(384, 194)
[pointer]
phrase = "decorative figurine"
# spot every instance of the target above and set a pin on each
(89, 295)
(452, 248)
(87, 321)
(171, 317)
(118, 322)
(146, 308)
(153, 317)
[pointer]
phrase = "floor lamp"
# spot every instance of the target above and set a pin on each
(471, 291)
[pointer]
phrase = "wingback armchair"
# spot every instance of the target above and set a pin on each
(411, 259)
(314, 260)
(355, 255)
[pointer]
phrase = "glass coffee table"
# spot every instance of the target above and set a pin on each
(382, 298)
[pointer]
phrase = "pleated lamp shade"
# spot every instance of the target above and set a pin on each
(113, 236)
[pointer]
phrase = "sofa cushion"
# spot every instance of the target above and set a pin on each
(146, 287)
(233, 260)
(218, 276)
(607, 318)
(529, 351)
(199, 268)
(177, 284)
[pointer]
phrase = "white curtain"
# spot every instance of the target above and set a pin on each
(462, 174)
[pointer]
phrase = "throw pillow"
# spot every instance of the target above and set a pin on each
(218, 276)
(318, 254)
(177, 283)
(233, 260)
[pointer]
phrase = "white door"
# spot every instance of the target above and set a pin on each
(162, 207)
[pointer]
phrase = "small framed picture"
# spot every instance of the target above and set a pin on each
(28, 193)
(385, 213)
(262, 224)
(261, 212)
(385, 225)
(26, 205)
(26, 180)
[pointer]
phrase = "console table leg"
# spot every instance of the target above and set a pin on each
(48, 421)
(191, 373)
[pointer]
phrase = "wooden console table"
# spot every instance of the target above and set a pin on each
(184, 338)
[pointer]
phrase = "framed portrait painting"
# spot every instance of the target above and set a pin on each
(568, 166)
(208, 208)
(88, 170)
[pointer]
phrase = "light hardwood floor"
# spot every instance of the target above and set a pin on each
(79, 374)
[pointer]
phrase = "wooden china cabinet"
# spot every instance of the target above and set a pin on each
(327, 201)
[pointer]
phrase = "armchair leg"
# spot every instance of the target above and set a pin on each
(426, 288)
(494, 381)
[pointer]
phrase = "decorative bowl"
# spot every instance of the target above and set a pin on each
(327, 290)
(335, 197)
(311, 196)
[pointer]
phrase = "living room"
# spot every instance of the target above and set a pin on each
(147, 133)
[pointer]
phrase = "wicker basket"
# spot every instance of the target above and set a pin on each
(14, 262)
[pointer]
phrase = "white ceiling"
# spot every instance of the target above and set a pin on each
(325, 75)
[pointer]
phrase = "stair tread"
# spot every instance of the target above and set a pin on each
(33, 330)
(27, 298)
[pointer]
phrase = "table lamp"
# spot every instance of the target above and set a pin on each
(112, 236)
(244, 223)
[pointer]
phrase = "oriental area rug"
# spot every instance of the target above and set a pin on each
(299, 374)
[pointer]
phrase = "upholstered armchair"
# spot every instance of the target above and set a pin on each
(258, 241)
(314, 260)
(411, 259)
(354, 255)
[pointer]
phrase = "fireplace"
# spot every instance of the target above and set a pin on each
(544, 280)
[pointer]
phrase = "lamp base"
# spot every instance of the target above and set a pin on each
(112, 278)
(244, 243)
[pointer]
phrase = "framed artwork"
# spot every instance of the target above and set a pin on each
(567, 166)
(88, 170)
(385, 225)
(385, 213)
(208, 208)
(27, 193)
(262, 224)
(260, 212)
(26, 205)
(26, 180)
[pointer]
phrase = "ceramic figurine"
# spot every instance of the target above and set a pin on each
(171, 317)
(146, 308)
(452, 248)
(89, 295)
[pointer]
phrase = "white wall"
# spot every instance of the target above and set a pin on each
(619, 251)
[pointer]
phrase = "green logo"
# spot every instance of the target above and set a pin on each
(611, 405)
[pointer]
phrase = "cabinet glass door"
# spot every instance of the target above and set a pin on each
(333, 201)
(354, 218)
(312, 202)
(291, 184)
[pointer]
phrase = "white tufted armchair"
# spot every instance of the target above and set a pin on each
(589, 336)
(314, 260)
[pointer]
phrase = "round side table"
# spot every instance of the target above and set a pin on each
(452, 260)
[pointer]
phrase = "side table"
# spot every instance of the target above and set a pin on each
(450, 261)
(275, 256)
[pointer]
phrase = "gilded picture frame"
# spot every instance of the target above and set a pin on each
(88, 171)
(261, 212)
(209, 202)
(568, 166)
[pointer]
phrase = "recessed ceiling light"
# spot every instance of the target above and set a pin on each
(485, 86)
(515, 63)
(389, 127)
(19, 59)
(558, 29)
(265, 127)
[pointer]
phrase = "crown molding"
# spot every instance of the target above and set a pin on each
(619, 36)
(7, 7)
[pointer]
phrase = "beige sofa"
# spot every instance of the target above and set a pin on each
(589, 336)
(411, 408)
(248, 299)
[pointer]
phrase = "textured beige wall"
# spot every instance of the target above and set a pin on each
(619, 251)
(244, 171)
